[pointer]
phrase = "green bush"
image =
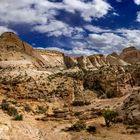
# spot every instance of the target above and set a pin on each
(91, 129)
(80, 103)
(4, 105)
(27, 108)
(12, 111)
(77, 113)
(78, 126)
(109, 116)
(18, 117)
(97, 86)
(110, 94)
(42, 110)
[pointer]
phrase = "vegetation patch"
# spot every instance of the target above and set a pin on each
(27, 108)
(4, 105)
(80, 103)
(42, 109)
(10, 110)
(18, 117)
(91, 129)
(110, 94)
(109, 116)
(78, 126)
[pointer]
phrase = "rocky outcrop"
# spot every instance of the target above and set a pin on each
(98, 60)
(94, 62)
(64, 77)
(84, 63)
(130, 109)
(54, 59)
(10, 42)
(70, 62)
(113, 60)
(130, 55)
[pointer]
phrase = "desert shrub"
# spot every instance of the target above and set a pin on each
(91, 129)
(80, 103)
(97, 86)
(18, 117)
(4, 105)
(42, 110)
(12, 111)
(78, 126)
(27, 108)
(109, 116)
(110, 94)
(77, 113)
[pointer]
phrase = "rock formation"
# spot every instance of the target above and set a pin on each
(130, 55)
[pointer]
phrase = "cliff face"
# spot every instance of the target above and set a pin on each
(98, 73)
(130, 55)
(12, 48)
(15, 49)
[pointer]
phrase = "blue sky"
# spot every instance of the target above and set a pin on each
(76, 27)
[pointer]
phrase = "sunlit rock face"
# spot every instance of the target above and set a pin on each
(131, 55)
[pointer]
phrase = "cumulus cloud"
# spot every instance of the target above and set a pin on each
(58, 28)
(108, 42)
(103, 41)
(137, 2)
(41, 13)
(96, 29)
(132, 36)
(5, 29)
(22, 11)
(93, 9)
(38, 11)
(80, 49)
(138, 17)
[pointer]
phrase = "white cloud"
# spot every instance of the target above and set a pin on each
(103, 41)
(43, 12)
(74, 51)
(41, 15)
(108, 42)
(54, 25)
(5, 29)
(137, 2)
(96, 29)
(57, 28)
(132, 36)
(38, 11)
(106, 38)
(94, 9)
(138, 17)
(22, 11)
